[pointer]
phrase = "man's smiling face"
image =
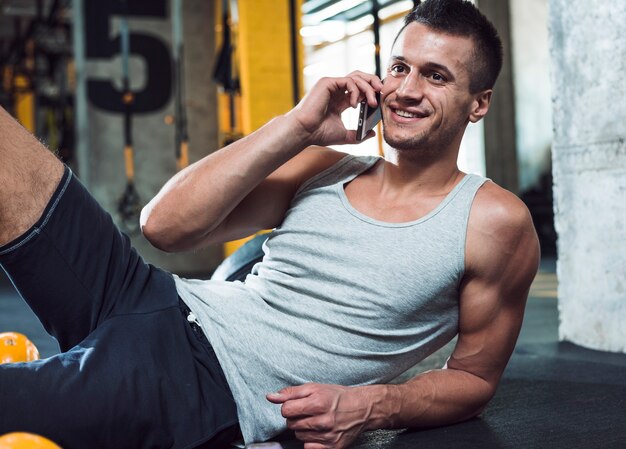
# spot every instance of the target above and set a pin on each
(426, 99)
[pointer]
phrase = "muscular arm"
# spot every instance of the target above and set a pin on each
(247, 185)
(502, 256)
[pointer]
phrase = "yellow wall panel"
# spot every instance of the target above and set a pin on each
(24, 103)
(265, 61)
(263, 56)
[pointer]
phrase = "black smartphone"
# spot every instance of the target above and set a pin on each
(368, 118)
(269, 445)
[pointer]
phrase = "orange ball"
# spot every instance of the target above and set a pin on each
(15, 347)
(23, 440)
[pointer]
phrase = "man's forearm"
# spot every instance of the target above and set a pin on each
(336, 414)
(197, 199)
(435, 398)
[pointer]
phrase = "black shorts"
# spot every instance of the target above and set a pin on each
(133, 373)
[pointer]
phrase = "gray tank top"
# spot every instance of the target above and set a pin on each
(339, 297)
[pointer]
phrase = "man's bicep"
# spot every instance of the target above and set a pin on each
(488, 330)
(502, 256)
(265, 206)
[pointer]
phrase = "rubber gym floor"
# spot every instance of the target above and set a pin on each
(552, 395)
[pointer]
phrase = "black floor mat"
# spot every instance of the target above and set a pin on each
(542, 402)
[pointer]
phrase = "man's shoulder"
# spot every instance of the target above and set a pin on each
(495, 208)
(500, 230)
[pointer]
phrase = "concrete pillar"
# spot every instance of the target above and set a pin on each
(588, 53)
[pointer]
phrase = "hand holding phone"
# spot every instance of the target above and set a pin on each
(368, 118)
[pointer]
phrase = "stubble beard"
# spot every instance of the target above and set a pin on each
(418, 144)
(421, 144)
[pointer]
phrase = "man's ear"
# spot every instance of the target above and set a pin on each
(480, 105)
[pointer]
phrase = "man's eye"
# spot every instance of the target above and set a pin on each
(397, 69)
(437, 77)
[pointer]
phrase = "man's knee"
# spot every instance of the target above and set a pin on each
(22, 205)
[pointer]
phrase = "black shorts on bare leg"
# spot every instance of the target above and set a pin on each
(74, 268)
(133, 373)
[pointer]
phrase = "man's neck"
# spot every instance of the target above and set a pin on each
(400, 191)
(404, 174)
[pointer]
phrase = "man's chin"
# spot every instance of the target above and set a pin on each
(406, 144)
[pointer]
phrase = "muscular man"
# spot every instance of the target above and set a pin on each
(373, 264)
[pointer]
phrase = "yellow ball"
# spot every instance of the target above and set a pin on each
(15, 347)
(23, 440)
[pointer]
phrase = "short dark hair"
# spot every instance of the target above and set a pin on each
(462, 18)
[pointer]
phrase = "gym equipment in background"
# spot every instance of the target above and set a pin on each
(178, 61)
(129, 205)
(239, 264)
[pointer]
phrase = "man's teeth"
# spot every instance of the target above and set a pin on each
(405, 114)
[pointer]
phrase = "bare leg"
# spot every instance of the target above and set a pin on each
(29, 174)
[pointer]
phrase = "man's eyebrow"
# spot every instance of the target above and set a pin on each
(441, 68)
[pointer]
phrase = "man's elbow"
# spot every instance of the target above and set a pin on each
(154, 231)
(486, 394)
(481, 389)
(170, 232)
(481, 407)
(478, 406)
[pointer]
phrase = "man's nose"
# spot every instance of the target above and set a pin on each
(411, 87)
